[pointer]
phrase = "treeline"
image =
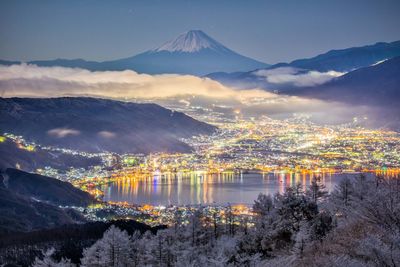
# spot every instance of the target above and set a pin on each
(68, 241)
(358, 224)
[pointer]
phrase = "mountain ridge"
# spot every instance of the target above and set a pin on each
(46, 189)
(340, 60)
(31, 201)
(347, 59)
(373, 85)
(95, 125)
(192, 52)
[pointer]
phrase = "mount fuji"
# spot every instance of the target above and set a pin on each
(192, 52)
(192, 41)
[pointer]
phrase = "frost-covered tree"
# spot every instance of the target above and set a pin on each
(343, 193)
(223, 251)
(381, 206)
(316, 191)
(165, 247)
(373, 249)
(263, 205)
(112, 250)
(49, 261)
(178, 220)
(230, 220)
(135, 249)
(368, 228)
(362, 186)
(195, 226)
(145, 249)
(294, 207)
(321, 225)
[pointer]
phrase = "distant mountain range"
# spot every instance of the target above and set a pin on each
(377, 87)
(374, 85)
(192, 52)
(30, 201)
(89, 124)
(344, 60)
(373, 79)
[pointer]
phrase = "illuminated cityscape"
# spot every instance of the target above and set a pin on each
(293, 145)
(282, 148)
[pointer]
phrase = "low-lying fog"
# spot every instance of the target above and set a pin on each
(170, 90)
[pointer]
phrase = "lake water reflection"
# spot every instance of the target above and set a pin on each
(197, 188)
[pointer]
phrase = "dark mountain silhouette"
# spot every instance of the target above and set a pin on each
(8, 62)
(30, 201)
(68, 63)
(45, 189)
(19, 213)
(348, 59)
(91, 124)
(375, 85)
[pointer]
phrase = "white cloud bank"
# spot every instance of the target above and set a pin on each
(33, 81)
(296, 77)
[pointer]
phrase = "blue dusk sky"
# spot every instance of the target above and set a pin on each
(270, 31)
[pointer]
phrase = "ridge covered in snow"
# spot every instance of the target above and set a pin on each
(191, 41)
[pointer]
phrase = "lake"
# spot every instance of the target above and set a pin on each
(196, 188)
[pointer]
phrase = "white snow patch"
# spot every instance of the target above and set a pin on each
(191, 41)
(379, 62)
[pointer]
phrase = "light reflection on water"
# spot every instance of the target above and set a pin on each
(195, 188)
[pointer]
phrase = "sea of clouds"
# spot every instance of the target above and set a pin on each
(27, 80)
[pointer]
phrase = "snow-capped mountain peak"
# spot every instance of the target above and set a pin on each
(191, 41)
